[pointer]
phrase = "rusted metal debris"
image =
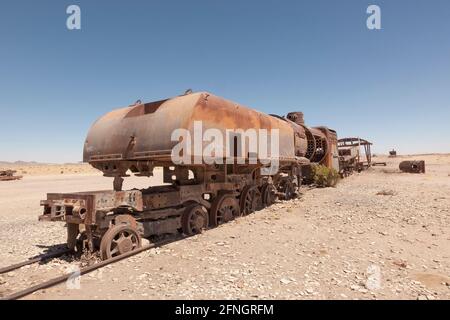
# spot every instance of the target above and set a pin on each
(414, 166)
(392, 153)
(7, 175)
(350, 157)
(137, 139)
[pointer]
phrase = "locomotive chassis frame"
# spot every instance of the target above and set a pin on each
(160, 210)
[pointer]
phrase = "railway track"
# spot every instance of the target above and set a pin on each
(57, 280)
(40, 258)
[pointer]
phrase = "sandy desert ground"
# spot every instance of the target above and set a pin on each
(380, 234)
(36, 169)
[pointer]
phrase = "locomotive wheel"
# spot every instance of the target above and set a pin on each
(224, 208)
(250, 200)
(194, 220)
(118, 240)
(268, 194)
(288, 188)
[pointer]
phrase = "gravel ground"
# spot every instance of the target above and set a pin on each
(40, 169)
(380, 234)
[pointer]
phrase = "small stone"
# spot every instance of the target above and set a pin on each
(400, 264)
(363, 290)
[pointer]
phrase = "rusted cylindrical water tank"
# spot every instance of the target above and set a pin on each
(414, 166)
(143, 131)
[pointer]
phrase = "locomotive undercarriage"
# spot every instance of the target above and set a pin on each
(193, 198)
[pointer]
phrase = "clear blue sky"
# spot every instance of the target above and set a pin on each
(390, 86)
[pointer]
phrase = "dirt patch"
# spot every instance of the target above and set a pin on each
(432, 281)
(50, 169)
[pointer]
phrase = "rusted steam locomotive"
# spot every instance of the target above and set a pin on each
(194, 196)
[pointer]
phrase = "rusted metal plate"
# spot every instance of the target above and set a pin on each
(351, 142)
(161, 199)
(81, 207)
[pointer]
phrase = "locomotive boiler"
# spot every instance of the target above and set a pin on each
(197, 193)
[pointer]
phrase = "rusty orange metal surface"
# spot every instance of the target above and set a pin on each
(144, 131)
